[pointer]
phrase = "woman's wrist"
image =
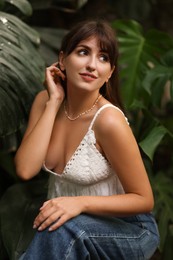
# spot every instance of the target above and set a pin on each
(54, 102)
(84, 202)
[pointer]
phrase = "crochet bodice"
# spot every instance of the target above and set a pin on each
(88, 172)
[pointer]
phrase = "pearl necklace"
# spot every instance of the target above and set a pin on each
(83, 113)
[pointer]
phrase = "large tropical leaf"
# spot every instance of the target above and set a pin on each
(152, 140)
(50, 43)
(138, 51)
(149, 131)
(156, 78)
(21, 77)
(23, 5)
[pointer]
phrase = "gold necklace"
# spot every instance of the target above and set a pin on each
(83, 113)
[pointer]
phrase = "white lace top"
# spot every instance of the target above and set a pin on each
(87, 172)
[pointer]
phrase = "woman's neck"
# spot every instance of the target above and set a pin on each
(76, 103)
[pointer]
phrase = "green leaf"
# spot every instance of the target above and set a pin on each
(163, 223)
(52, 37)
(21, 77)
(12, 68)
(162, 188)
(152, 140)
(13, 24)
(23, 5)
(171, 88)
(2, 4)
(50, 43)
(156, 78)
(158, 72)
(137, 51)
(137, 104)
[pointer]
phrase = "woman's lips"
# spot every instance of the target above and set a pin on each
(88, 76)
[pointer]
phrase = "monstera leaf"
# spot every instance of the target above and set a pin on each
(146, 66)
(157, 78)
(21, 77)
(139, 52)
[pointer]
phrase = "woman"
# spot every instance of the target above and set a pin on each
(99, 196)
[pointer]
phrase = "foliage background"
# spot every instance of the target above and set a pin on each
(30, 35)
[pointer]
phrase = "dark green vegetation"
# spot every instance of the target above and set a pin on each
(29, 42)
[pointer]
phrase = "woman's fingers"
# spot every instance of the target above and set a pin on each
(44, 204)
(56, 71)
(54, 217)
(42, 216)
(53, 82)
(55, 63)
(55, 212)
(49, 213)
(59, 222)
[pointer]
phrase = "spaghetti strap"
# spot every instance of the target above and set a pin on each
(99, 111)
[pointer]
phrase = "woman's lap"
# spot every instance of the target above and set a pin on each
(93, 237)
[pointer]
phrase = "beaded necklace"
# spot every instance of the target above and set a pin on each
(83, 113)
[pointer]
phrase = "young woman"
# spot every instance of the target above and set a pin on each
(99, 196)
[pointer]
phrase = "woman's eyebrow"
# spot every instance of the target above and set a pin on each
(83, 46)
(89, 48)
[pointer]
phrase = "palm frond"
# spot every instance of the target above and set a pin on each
(21, 77)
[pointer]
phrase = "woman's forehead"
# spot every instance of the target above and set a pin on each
(93, 41)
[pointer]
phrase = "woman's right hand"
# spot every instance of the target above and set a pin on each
(53, 76)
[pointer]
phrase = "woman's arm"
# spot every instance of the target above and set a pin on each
(33, 149)
(121, 149)
(118, 143)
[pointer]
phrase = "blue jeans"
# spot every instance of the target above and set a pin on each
(95, 238)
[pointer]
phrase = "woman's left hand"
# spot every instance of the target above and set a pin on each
(57, 211)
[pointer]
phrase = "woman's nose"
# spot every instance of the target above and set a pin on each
(91, 66)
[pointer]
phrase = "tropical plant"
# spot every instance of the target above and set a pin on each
(22, 68)
(22, 65)
(21, 76)
(146, 61)
(146, 65)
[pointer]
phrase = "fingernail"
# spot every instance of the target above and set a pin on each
(40, 228)
(34, 226)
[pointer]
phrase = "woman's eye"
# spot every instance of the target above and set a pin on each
(104, 58)
(82, 52)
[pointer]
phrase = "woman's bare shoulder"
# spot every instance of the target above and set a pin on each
(110, 119)
(40, 101)
(38, 104)
(41, 97)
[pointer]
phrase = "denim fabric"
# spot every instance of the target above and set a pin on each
(94, 238)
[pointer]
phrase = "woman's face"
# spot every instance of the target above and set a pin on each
(87, 66)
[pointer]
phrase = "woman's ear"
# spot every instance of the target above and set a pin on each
(110, 74)
(61, 61)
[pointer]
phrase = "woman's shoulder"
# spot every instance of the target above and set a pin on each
(110, 118)
(40, 99)
(41, 96)
(109, 113)
(39, 102)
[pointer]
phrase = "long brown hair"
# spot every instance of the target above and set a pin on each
(106, 37)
